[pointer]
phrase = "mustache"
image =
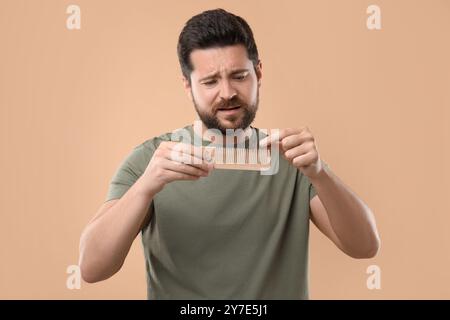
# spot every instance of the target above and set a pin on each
(230, 103)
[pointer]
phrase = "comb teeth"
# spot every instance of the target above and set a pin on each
(238, 158)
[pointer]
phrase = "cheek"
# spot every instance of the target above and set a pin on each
(251, 92)
(203, 97)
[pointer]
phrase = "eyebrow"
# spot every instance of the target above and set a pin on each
(216, 73)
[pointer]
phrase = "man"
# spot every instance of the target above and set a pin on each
(223, 234)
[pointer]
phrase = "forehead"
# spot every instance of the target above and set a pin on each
(210, 60)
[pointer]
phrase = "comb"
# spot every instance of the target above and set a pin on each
(238, 158)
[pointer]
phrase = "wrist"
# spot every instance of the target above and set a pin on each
(143, 189)
(321, 174)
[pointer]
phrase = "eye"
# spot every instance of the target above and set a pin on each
(241, 76)
(210, 82)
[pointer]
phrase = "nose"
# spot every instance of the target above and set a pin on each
(227, 91)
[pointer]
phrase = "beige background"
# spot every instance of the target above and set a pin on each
(74, 103)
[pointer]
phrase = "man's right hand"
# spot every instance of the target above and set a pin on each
(173, 161)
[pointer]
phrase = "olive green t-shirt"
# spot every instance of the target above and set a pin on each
(235, 234)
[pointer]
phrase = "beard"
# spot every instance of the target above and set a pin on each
(241, 121)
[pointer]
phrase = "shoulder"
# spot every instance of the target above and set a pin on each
(151, 144)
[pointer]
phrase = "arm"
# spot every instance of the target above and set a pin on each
(106, 240)
(343, 217)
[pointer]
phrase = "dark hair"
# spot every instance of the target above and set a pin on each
(214, 28)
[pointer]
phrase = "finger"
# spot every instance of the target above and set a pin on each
(184, 153)
(277, 135)
(175, 175)
(295, 152)
(181, 146)
(303, 160)
(202, 157)
(187, 153)
(292, 141)
(267, 141)
(273, 135)
(205, 167)
(185, 168)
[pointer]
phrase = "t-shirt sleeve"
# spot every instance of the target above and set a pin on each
(312, 190)
(128, 172)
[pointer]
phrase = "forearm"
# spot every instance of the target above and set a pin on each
(106, 241)
(350, 218)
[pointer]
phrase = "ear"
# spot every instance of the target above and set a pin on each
(187, 86)
(258, 71)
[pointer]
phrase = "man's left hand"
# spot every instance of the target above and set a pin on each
(298, 146)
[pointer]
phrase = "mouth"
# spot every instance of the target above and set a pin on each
(229, 110)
